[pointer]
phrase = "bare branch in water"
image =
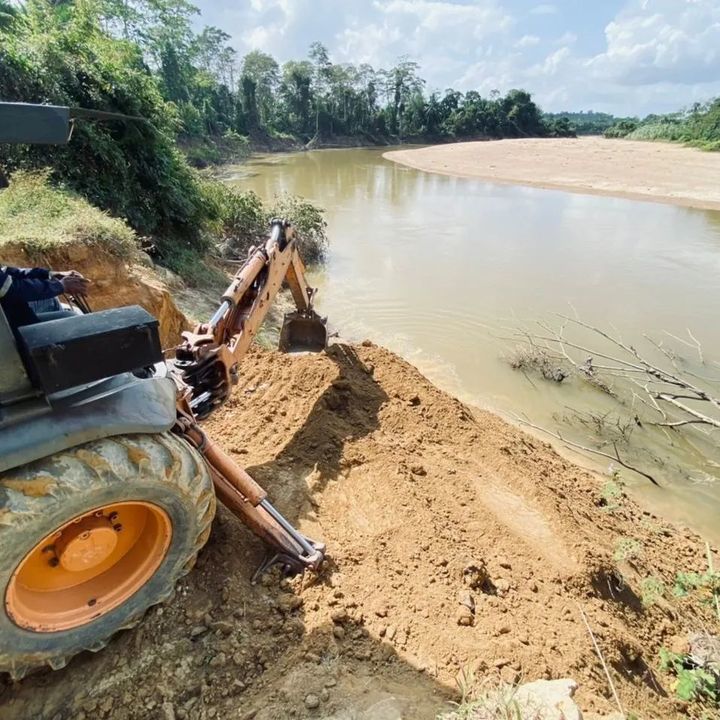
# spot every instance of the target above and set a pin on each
(668, 388)
(615, 457)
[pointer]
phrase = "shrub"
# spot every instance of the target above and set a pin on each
(309, 224)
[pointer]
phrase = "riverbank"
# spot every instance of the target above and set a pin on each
(461, 550)
(658, 172)
(458, 547)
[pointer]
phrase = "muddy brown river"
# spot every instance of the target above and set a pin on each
(444, 270)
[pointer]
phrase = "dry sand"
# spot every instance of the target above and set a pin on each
(659, 172)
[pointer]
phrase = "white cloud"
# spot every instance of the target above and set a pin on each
(567, 38)
(527, 41)
(544, 9)
(662, 41)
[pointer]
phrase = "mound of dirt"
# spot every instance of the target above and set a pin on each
(458, 547)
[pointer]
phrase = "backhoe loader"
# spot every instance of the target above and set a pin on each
(108, 483)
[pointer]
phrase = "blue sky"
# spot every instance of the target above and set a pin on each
(621, 56)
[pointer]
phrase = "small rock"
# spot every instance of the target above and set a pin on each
(289, 603)
(324, 695)
(549, 699)
(475, 575)
(339, 616)
(312, 701)
(502, 587)
(390, 634)
(198, 630)
(219, 660)
(418, 470)
(414, 400)
(504, 563)
(466, 599)
(464, 616)
(704, 649)
(339, 632)
(223, 627)
(331, 682)
(107, 704)
(168, 711)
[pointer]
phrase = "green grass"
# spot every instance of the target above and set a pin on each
(669, 132)
(38, 218)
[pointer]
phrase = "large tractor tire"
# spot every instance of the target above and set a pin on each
(90, 538)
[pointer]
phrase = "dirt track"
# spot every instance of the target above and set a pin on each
(414, 494)
(661, 172)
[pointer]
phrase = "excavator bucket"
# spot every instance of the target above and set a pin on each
(303, 332)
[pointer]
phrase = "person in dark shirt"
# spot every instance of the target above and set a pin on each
(19, 287)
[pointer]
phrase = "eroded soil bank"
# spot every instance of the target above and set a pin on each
(427, 508)
(661, 172)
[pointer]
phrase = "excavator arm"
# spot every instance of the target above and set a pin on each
(206, 367)
(208, 357)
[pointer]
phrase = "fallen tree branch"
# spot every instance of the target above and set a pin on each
(616, 457)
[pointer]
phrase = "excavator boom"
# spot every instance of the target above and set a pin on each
(208, 357)
(206, 367)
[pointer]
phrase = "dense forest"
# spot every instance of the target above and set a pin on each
(585, 122)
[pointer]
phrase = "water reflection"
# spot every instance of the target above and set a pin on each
(438, 268)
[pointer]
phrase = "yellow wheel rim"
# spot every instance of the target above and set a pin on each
(88, 566)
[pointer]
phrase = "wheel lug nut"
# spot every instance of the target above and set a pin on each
(53, 562)
(117, 528)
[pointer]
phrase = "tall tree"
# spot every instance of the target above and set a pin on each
(265, 73)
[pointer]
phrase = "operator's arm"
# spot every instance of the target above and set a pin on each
(28, 284)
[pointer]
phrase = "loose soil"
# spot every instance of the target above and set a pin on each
(428, 509)
(657, 171)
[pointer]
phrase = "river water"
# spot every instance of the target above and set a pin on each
(444, 270)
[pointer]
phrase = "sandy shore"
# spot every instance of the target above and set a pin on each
(659, 172)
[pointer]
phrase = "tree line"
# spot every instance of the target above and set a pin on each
(214, 92)
(698, 126)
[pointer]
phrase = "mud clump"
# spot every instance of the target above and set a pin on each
(497, 528)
